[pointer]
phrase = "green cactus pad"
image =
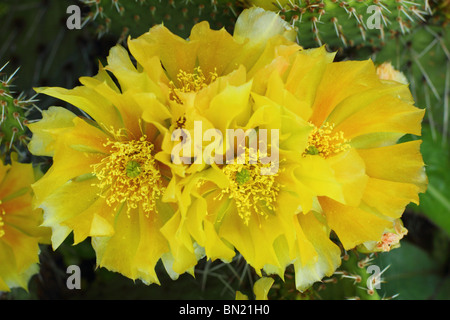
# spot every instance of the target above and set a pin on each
(14, 110)
(121, 18)
(341, 24)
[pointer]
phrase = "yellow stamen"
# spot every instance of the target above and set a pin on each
(181, 122)
(2, 223)
(130, 174)
(253, 191)
(324, 141)
(190, 82)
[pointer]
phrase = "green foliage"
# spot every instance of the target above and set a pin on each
(435, 203)
(38, 41)
(414, 273)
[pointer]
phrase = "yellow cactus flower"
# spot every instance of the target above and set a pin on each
(340, 167)
(105, 181)
(225, 143)
(357, 120)
(20, 230)
(113, 178)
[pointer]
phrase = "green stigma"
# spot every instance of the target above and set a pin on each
(312, 150)
(242, 176)
(133, 169)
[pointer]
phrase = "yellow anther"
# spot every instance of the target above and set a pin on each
(326, 142)
(252, 191)
(2, 223)
(190, 82)
(129, 175)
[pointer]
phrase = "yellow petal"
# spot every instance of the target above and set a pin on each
(146, 52)
(218, 48)
(304, 252)
(11, 274)
(398, 163)
(85, 137)
(116, 253)
(237, 111)
(3, 286)
(215, 247)
(89, 101)
(316, 174)
(372, 96)
(66, 203)
(120, 65)
(306, 73)
(255, 240)
(204, 232)
(350, 172)
(327, 252)
(254, 28)
(152, 109)
(274, 57)
(239, 295)
(97, 220)
(151, 247)
(375, 139)
(25, 248)
(181, 245)
(54, 121)
(385, 114)
(134, 248)
(353, 225)
(261, 288)
(175, 53)
(17, 180)
(341, 80)
(277, 92)
(390, 198)
(258, 25)
(68, 164)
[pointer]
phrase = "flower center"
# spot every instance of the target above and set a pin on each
(2, 223)
(324, 141)
(129, 174)
(133, 169)
(253, 190)
(190, 82)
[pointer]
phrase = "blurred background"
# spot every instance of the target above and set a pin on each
(41, 50)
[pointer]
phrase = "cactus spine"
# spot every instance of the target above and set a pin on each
(340, 23)
(424, 57)
(353, 280)
(14, 111)
(121, 18)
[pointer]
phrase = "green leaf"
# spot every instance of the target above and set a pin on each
(435, 202)
(412, 274)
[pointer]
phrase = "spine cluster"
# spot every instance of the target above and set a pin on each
(14, 111)
(339, 23)
(121, 18)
